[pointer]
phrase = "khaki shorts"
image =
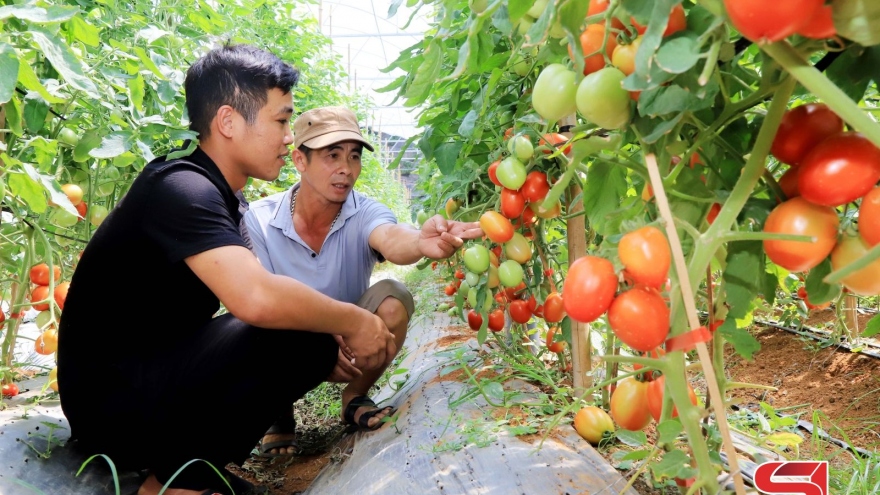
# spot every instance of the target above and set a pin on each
(377, 293)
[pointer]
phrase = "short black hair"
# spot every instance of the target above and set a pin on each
(236, 75)
(306, 151)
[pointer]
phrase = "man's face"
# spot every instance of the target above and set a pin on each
(331, 171)
(264, 144)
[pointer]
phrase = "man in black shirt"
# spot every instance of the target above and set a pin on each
(176, 382)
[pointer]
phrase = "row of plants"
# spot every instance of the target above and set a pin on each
(653, 171)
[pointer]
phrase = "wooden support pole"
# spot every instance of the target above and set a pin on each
(694, 321)
(577, 248)
(852, 316)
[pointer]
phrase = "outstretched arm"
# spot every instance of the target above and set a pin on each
(438, 238)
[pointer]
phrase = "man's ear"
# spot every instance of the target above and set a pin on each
(299, 159)
(225, 121)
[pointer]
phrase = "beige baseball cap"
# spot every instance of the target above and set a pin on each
(321, 127)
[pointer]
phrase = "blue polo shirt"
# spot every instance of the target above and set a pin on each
(343, 267)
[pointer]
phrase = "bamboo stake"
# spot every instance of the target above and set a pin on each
(852, 316)
(577, 248)
(694, 321)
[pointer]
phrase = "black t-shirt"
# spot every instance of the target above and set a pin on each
(132, 294)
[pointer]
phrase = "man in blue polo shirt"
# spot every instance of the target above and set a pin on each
(328, 236)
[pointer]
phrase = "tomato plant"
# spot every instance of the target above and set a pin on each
(554, 345)
(656, 354)
(589, 288)
(629, 404)
(646, 256)
(39, 274)
(655, 398)
(768, 22)
(799, 217)
(840, 169)
(640, 318)
(553, 96)
(593, 424)
(9, 390)
(801, 129)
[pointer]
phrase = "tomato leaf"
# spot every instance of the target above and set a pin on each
(606, 185)
(85, 32)
(426, 75)
(636, 455)
(745, 267)
(466, 128)
(571, 14)
(671, 465)
(784, 438)
(64, 61)
(35, 111)
(818, 291)
(655, 129)
(678, 55)
(32, 13)
(28, 78)
(631, 438)
(494, 391)
(8, 71)
(447, 155)
(13, 116)
(668, 431)
(23, 184)
(669, 99)
(854, 69)
(743, 342)
(872, 328)
(858, 20)
(771, 283)
(114, 144)
(518, 8)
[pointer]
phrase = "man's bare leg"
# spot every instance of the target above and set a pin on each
(394, 314)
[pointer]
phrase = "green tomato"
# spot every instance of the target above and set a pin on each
(525, 23)
(472, 297)
(471, 278)
(97, 214)
(68, 136)
(478, 6)
(602, 100)
(464, 288)
(476, 259)
(487, 302)
(521, 147)
(511, 173)
(520, 66)
(422, 217)
(538, 8)
(105, 189)
(43, 318)
(453, 311)
(556, 30)
(553, 96)
(443, 307)
(518, 248)
(510, 273)
(63, 218)
(493, 281)
(63, 241)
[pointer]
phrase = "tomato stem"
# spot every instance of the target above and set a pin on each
(818, 84)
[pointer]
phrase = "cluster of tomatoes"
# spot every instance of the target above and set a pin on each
(831, 169)
(762, 21)
(47, 342)
(62, 218)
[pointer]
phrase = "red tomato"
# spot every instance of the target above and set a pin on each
(40, 274)
(801, 129)
(629, 404)
(554, 346)
(450, 290)
(528, 218)
(865, 282)
(820, 26)
(40, 293)
(655, 398)
(493, 172)
(536, 187)
(869, 217)
(554, 308)
(802, 293)
(459, 274)
(82, 208)
(2, 316)
(713, 213)
(60, 293)
(508, 134)
(555, 140)
(646, 256)
(840, 169)
(591, 43)
(640, 318)
(766, 22)
(512, 203)
(496, 320)
(599, 6)
(548, 272)
(475, 320)
(800, 217)
(589, 288)
(519, 311)
(788, 183)
(496, 227)
(9, 390)
(433, 265)
(677, 22)
(546, 212)
(531, 302)
(656, 353)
